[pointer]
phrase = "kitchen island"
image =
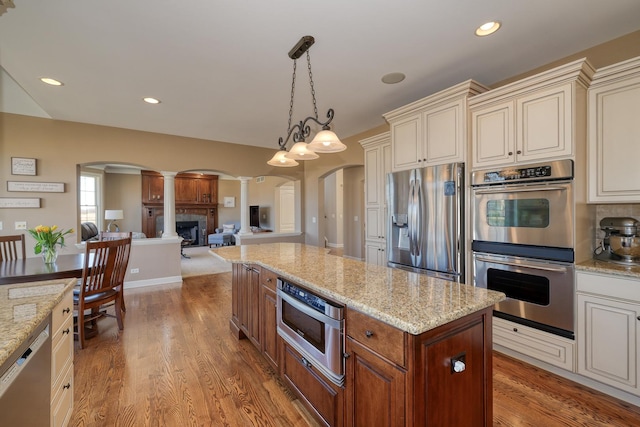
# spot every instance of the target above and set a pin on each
(417, 350)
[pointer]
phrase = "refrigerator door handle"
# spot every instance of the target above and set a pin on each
(411, 215)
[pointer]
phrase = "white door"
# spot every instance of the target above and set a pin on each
(287, 209)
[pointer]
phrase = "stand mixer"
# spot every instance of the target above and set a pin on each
(621, 243)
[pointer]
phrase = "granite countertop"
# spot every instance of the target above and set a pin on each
(412, 302)
(603, 267)
(23, 306)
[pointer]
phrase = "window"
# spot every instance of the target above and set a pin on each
(90, 198)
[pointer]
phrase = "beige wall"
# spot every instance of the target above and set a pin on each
(124, 191)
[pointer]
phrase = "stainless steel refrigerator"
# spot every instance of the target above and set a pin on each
(425, 229)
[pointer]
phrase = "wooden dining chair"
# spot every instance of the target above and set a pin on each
(105, 263)
(114, 235)
(9, 250)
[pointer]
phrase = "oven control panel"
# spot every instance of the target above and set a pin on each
(304, 296)
(559, 169)
(522, 173)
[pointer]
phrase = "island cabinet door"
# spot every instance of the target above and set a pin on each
(453, 373)
(323, 399)
(374, 389)
(268, 312)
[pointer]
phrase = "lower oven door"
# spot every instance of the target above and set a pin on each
(316, 336)
(539, 293)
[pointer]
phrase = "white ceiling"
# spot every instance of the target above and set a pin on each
(222, 72)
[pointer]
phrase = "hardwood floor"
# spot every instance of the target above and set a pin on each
(176, 364)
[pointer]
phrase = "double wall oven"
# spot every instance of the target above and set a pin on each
(522, 245)
(313, 326)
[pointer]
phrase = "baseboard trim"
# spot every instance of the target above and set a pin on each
(152, 282)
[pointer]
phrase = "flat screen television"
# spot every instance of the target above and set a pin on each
(254, 216)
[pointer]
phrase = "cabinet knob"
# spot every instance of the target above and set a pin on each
(368, 333)
(511, 153)
(459, 366)
(638, 317)
(269, 280)
(419, 160)
(346, 355)
(519, 152)
(515, 329)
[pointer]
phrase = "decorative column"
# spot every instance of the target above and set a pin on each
(169, 204)
(244, 206)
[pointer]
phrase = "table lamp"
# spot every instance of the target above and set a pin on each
(113, 215)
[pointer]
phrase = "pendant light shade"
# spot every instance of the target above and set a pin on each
(301, 151)
(326, 141)
(281, 161)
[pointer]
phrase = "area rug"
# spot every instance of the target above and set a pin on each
(201, 262)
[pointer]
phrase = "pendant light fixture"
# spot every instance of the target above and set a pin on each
(325, 141)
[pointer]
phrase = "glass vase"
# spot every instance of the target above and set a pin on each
(49, 254)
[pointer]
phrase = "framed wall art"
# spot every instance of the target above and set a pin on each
(19, 202)
(23, 166)
(41, 187)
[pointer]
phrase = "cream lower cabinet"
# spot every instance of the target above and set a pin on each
(377, 164)
(552, 349)
(614, 134)
(609, 330)
(533, 119)
(62, 362)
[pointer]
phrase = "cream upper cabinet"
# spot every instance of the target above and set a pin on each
(614, 134)
(608, 333)
(432, 130)
(532, 119)
(377, 164)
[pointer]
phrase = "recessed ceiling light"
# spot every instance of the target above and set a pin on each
(50, 81)
(488, 28)
(393, 78)
(150, 100)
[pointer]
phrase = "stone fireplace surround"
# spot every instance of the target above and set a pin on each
(201, 219)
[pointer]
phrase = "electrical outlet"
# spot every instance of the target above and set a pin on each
(21, 225)
(135, 270)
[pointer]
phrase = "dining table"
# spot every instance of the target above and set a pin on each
(34, 269)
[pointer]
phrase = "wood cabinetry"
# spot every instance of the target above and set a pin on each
(195, 194)
(152, 187)
(609, 330)
(377, 164)
(536, 118)
(269, 317)
(245, 302)
(395, 378)
(432, 130)
(324, 399)
(190, 188)
(614, 134)
(62, 362)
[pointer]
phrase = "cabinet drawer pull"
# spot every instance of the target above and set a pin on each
(368, 333)
(305, 362)
(66, 331)
(66, 311)
(66, 386)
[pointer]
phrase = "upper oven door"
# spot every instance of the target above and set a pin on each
(535, 214)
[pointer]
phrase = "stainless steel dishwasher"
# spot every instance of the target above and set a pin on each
(25, 381)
